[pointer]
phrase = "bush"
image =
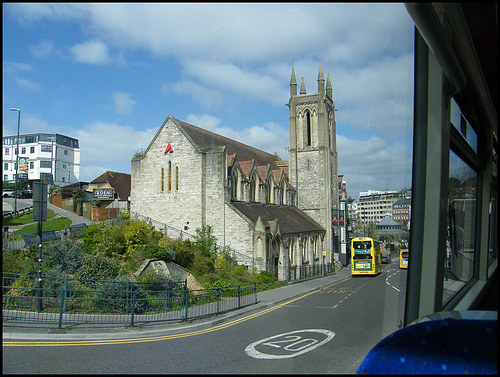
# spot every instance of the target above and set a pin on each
(64, 256)
(202, 265)
(105, 238)
(97, 267)
(117, 295)
(266, 277)
(206, 241)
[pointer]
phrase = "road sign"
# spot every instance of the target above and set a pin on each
(39, 201)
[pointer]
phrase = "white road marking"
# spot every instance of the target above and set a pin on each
(294, 345)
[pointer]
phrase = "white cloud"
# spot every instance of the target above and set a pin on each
(29, 85)
(111, 143)
(43, 49)
(91, 52)
(268, 137)
(208, 98)
(123, 103)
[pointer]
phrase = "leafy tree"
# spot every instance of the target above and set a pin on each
(206, 242)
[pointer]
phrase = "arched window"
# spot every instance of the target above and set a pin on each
(254, 184)
(308, 128)
(162, 179)
(177, 178)
(170, 176)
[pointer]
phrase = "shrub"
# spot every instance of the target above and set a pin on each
(64, 256)
(117, 294)
(266, 277)
(97, 267)
(202, 265)
(206, 241)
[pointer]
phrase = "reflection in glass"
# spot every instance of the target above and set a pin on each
(461, 227)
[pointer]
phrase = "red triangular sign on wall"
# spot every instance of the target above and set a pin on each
(169, 149)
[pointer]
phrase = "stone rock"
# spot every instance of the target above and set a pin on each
(169, 269)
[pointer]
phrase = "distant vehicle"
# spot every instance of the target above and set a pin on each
(8, 193)
(25, 194)
(365, 256)
(403, 258)
(386, 259)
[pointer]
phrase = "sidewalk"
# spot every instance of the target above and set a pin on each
(265, 300)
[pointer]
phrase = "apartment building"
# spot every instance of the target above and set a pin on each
(373, 206)
(48, 156)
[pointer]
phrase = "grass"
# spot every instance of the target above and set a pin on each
(53, 223)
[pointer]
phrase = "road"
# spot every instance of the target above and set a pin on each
(324, 331)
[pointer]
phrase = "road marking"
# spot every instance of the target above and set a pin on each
(74, 343)
(287, 345)
(389, 284)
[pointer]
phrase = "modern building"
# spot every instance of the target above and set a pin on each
(270, 212)
(51, 157)
(373, 205)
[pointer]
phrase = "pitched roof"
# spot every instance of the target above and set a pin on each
(121, 183)
(291, 219)
(203, 138)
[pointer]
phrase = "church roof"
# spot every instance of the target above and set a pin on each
(291, 219)
(203, 138)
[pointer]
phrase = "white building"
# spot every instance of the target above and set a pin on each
(51, 157)
(373, 206)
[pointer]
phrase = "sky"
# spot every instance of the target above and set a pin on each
(110, 74)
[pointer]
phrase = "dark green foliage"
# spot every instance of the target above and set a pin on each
(266, 277)
(117, 295)
(206, 241)
(64, 256)
(97, 267)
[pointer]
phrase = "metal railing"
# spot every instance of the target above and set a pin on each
(73, 304)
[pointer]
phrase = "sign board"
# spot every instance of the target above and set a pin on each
(338, 218)
(103, 194)
(39, 200)
(23, 168)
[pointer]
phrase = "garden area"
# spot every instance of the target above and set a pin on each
(113, 251)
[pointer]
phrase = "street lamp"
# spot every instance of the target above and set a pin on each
(17, 158)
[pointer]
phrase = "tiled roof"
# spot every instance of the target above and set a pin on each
(291, 220)
(121, 182)
(203, 138)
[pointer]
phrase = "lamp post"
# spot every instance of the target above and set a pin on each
(17, 158)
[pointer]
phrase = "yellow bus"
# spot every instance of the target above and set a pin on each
(365, 256)
(403, 258)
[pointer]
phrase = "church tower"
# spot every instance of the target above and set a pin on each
(313, 164)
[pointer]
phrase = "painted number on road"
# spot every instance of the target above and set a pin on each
(290, 344)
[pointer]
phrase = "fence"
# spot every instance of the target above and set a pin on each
(72, 302)
(47, 235)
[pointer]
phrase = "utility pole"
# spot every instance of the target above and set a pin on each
(40, 215)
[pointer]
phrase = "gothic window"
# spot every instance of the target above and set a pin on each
(170, 176)
(254, 184)
(177, 178)
(308, 128)
(162, 179)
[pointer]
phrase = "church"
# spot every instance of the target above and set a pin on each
(275, 215)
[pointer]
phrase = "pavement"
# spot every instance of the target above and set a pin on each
(265, 300)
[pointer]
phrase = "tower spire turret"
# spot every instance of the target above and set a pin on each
(302, 87)
(329, 90)
(321, 81)
(293, 85)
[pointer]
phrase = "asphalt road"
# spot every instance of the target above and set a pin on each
(325, 331)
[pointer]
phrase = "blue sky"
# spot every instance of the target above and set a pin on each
(109, 75)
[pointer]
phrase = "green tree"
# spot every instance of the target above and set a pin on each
(205, 241)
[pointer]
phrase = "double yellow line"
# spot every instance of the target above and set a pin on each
(149, 339)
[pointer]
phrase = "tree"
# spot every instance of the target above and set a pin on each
(78, 200)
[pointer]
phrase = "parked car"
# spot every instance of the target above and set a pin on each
(386, 259)
(8, 193)
(25, 194)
